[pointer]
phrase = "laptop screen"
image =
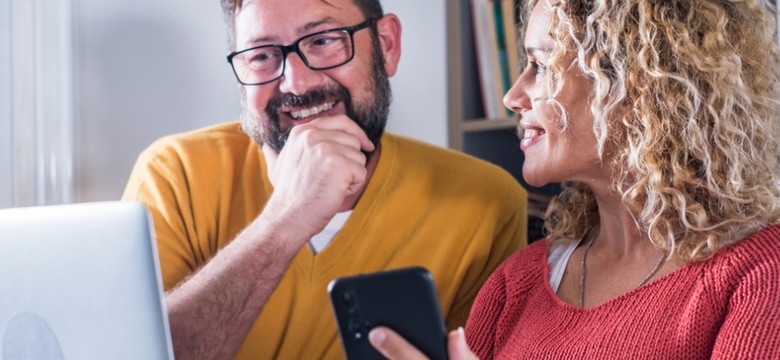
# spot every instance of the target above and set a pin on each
(81, 281)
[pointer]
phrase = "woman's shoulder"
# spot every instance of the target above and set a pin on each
(518, 274)
(529, 261)
(757, 255)
(762, 245)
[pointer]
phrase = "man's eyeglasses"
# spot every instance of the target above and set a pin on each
(319, 51)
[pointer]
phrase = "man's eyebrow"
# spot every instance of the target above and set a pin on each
(309, 26)
(302, 30)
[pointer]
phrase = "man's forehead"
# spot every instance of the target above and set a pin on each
(275, 20)
(298, 7)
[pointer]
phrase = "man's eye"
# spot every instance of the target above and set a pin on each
(323, 41)
(263, 56)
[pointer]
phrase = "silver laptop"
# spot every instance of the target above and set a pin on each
(80, 282)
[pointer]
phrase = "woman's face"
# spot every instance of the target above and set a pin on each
(552, 153)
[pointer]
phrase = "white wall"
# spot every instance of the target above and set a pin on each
(147, 68)
(420, 86)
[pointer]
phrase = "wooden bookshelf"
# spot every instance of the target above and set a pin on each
(494, 140)
(466, 113)
(476, 125)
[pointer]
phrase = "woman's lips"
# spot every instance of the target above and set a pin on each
(531, 135)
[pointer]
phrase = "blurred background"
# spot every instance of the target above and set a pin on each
(85, 85)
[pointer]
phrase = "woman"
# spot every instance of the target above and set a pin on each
(661, 118)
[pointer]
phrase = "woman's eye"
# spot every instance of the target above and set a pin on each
(538, 68)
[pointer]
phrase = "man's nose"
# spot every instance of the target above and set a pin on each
(297, 78)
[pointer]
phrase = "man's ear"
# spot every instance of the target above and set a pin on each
(389, 31)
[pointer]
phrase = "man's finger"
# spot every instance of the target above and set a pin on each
(345, 124)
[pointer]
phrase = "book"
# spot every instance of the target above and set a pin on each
(503, 64)
(486, 46)
(510, 12)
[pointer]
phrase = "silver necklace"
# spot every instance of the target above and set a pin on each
(582, 273)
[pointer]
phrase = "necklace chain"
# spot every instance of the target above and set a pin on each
(582, 273)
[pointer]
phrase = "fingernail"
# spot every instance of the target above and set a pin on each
(377, 336)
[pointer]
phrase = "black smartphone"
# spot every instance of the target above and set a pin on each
(403, 299)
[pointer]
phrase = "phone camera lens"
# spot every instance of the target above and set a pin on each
(357, 329)
(350, 303)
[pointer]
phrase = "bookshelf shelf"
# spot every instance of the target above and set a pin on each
(476, 125)
(470, 130)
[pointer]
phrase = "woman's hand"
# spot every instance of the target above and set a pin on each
(394, 347)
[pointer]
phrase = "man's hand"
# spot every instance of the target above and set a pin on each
(395, 347)
(320, 167)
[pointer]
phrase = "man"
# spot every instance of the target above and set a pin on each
(251, 229)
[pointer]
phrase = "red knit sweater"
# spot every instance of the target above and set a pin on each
(726, 307)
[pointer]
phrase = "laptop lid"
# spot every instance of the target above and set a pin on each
(81, 281)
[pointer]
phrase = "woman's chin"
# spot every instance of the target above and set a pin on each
(534, 178)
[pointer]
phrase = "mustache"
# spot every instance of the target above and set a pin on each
(312, 97)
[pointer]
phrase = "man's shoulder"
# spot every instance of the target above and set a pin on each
(203, 141)
(433, 155)
(406, 145)
(458, 167)
(224, 132)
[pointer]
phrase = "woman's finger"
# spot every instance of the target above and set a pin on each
(392, 345)
(457, 348)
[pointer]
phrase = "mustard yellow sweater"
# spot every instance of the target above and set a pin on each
(455, 215)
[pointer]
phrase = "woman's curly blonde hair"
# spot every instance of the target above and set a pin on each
(686, 95)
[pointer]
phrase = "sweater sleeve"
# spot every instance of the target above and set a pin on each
(485, 313)
(752, 327)
(508, 239)
(151, 183)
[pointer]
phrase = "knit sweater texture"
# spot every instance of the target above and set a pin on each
(727, 307)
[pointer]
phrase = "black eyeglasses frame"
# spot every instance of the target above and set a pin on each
(287, 49)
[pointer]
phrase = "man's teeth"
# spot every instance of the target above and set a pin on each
(300, 114)
(529, 133)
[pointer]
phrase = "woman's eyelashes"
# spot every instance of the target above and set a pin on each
(538, 67)
(535, 67)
